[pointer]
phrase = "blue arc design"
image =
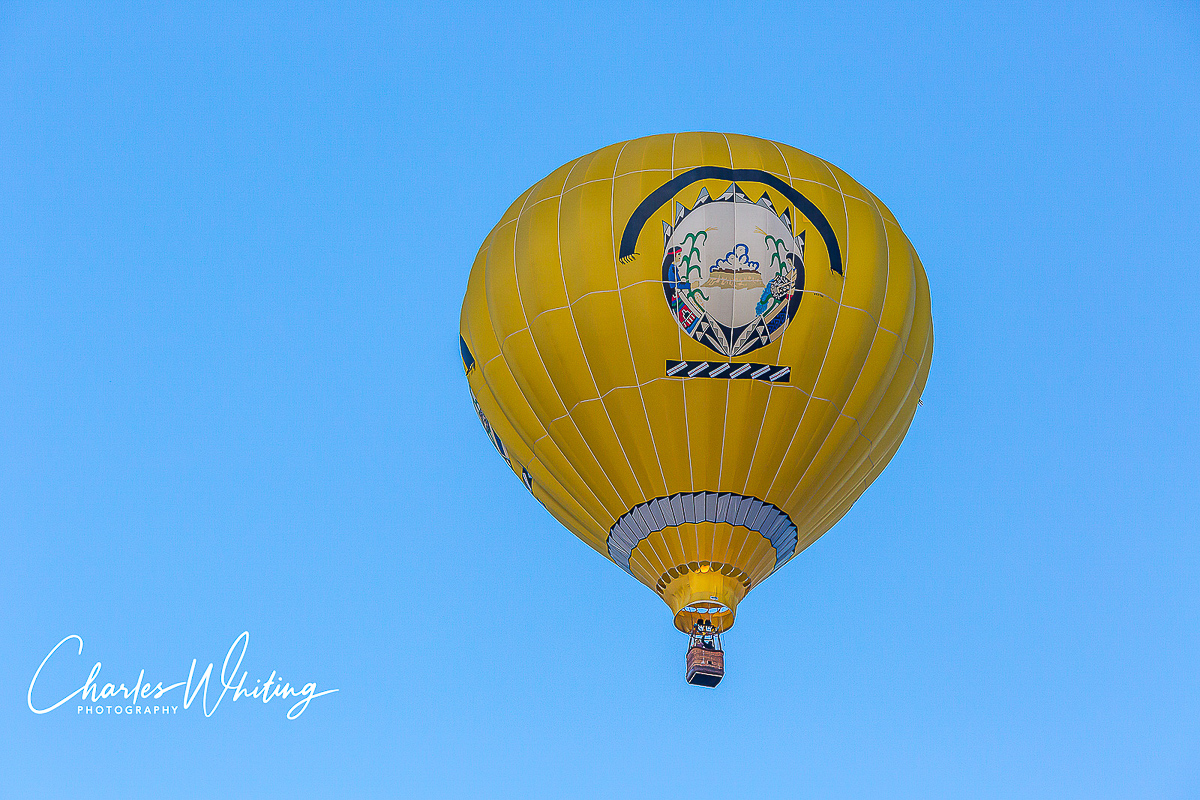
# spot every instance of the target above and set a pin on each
(661, 195)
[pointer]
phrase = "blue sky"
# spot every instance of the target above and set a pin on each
(233, 248)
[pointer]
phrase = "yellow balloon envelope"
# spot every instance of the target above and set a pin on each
(697, 350)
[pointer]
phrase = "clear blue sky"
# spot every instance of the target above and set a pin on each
(233, 247)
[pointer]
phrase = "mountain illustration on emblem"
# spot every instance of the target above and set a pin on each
(733, 270)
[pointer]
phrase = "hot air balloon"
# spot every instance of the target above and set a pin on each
(697, 350)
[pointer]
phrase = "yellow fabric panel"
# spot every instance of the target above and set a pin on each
(596, 167)
(750, 554)
(747, 401)
(664, 401)
(705, 405)
(571, 519)
(836, 507)
(596, 426)
(565, 434)
(602, 332)
(700, 149)
(588, 515)
(908, 388)
(749, 152)
(577, 308)
(545, 485)
(538, 274)
(590, 258)
(885, 373)
(580, 512)
(637, 438)
(651, 154)
(558, 377)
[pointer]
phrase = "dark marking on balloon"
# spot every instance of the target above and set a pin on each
(467, 359)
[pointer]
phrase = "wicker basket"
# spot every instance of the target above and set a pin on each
(705, 666)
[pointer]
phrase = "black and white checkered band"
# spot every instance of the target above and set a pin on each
(731, 371)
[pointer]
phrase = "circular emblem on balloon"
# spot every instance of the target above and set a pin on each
(733, 270)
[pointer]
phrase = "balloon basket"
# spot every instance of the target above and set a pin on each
(705, 658)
